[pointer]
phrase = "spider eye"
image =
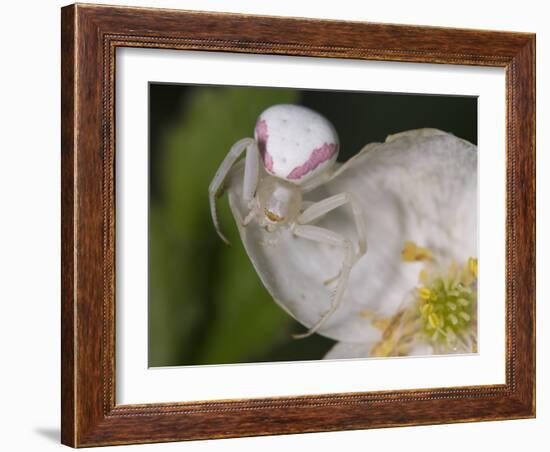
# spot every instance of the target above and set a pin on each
(272, 216)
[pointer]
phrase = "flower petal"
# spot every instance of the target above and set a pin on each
(348, 350)
(419, 186)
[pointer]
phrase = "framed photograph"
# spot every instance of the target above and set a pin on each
(282, 225)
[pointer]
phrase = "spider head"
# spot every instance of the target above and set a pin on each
(296, 144)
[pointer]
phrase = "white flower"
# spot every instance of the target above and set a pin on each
(418, 191)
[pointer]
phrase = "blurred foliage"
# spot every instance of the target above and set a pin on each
(206, 303)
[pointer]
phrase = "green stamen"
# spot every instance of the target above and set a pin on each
(447, 307)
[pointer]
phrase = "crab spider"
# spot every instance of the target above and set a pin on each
(293, 151)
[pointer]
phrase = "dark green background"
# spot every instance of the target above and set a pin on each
(206, 303)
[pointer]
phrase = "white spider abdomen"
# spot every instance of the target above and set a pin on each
(296, 143)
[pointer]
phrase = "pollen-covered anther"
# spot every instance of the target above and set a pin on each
(424, 293)
(413, 253)
(472, 266)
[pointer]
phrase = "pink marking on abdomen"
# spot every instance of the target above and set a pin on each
(261, 132)
(318, 156)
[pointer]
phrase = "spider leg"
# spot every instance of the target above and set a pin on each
(306, 205)
(329, 281)
(323, 235)
(321, 208)
(251, 172)
(250, 182)
(249, 217)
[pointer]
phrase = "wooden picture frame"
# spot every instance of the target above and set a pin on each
(90, 36)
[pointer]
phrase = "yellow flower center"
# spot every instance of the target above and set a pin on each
(441, 313)
(447, 307)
